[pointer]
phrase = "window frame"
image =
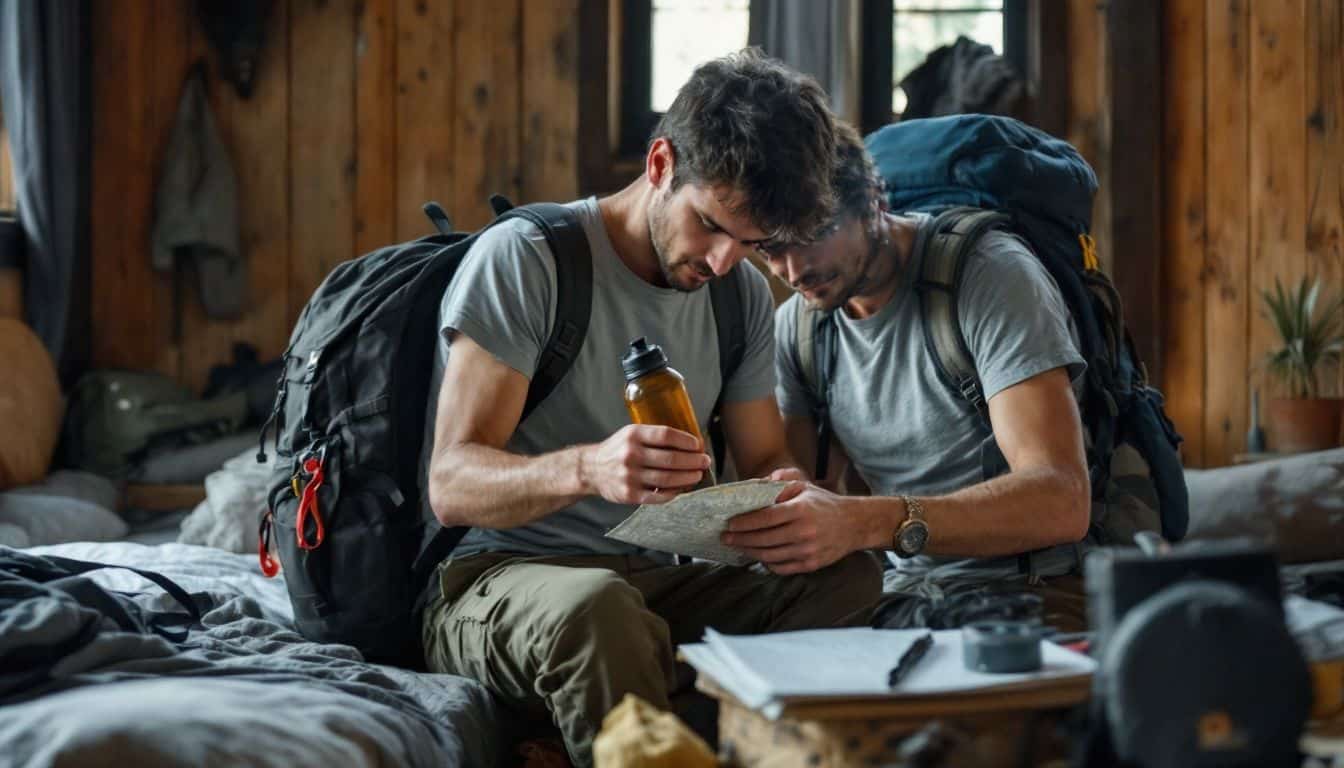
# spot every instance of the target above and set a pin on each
(638, 117)
(616, 73)
(879, 79)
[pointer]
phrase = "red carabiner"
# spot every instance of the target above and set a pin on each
(308, 506)
(269, 567)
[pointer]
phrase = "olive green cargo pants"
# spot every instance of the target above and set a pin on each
(565, 638)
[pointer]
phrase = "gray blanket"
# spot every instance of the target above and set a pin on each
(244, 690)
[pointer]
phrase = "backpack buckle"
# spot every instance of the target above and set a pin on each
(269, 567)
(970, 389)
(315, 468)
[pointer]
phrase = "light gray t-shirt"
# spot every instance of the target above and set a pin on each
(503, 298)
(905, 430)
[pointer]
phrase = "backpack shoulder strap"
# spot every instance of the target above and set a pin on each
(573, 306)
(814, 341)
(939, 267)
(727, 296)
(805, 338)
(573, 294)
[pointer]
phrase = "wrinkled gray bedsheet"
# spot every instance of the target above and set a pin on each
(245, 691)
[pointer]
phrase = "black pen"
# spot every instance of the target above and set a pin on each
(909, 659)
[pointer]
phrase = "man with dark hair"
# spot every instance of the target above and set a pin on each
(557, 620)
(915, 443)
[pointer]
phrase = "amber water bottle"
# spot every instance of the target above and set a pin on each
(655, 393)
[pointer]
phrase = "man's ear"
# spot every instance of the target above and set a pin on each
(660, 163)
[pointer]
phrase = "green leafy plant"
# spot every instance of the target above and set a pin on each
(1310, 338)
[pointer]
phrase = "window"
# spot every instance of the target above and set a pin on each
(662, 42)
(899, 34)
(921, 26)
(687, 33)
(634, 54)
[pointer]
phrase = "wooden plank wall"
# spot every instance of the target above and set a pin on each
(7, 201)
(366, 108)
(363, 110)
(1253, 190)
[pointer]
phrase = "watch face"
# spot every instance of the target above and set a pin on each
(913, 536)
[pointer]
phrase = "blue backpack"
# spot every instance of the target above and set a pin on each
(980, 172)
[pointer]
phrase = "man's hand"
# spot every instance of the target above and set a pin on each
(808, 528)
(788, 474)
(643, 464)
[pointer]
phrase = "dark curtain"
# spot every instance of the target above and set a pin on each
(44, 90)
(817, 37)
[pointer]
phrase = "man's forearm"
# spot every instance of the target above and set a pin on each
(1017, 512)
(485, 487)
(763, 468)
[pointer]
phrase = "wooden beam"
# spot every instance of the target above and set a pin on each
(1089, 125)
(486, 122)
(1278, 160)
(1134, 35)
(1325, 151)
(7, 201)
(262, 165)
(1183, 225)
(321, 142)
(375, 124)
(597, 108)
(1048, 65)
(425, 76)
(1227, 223)
(550, 96)
(122, 196)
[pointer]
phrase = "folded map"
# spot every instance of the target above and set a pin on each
(691, 523)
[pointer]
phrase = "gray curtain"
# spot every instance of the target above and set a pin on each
(819, 37)
(43, 90)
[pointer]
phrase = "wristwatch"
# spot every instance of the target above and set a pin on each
(913, 533)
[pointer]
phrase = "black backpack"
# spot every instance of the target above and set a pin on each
(977, 173)
(349, 411)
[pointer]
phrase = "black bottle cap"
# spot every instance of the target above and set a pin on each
(641, 357)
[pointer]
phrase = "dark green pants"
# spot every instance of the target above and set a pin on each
(565, 638)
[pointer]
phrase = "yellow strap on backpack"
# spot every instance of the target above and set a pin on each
(1090, 261)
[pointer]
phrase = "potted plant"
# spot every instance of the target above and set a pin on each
(1311, 335)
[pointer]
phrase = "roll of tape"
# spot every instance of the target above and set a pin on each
(1001, 646)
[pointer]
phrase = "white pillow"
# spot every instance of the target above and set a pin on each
(13, 536)
(51, 519)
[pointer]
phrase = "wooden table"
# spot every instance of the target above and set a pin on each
(987, 729)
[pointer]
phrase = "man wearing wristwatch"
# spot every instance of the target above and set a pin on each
(918, 446)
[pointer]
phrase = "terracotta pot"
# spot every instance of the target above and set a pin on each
(1300, 425)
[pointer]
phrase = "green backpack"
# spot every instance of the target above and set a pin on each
(117, 418)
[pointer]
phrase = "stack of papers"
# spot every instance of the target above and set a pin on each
(766, 672)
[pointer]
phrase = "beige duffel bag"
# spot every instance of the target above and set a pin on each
(30, 406)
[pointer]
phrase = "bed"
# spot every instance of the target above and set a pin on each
(244, 689)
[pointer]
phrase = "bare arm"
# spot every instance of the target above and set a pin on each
(755, 437)
(1044, 499)
(473, 481)
(802, 437)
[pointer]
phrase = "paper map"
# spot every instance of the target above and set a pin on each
(691, 523)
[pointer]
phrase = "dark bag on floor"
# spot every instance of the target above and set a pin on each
(349, 420)
(116, 419)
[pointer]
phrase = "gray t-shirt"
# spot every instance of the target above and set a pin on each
(503, 298)
(904, 430)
